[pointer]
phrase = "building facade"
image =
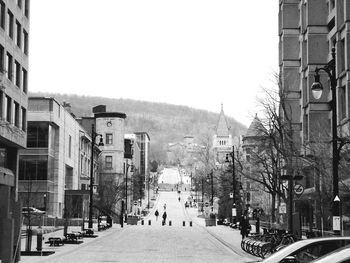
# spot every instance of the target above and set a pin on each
(143, 140)
(57, 158)
(308, 31)
(14, 40)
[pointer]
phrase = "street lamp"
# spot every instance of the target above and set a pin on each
(94, 135)
(317, 89)
(234, 209)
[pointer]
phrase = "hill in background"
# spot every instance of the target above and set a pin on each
(163, 122)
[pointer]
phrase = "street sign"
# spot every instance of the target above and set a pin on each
(231, 195)
(298, 190)
(283, 208)
(336, 223)
(234, 212)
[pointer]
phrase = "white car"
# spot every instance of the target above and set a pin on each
(32, 211)
(304, 251)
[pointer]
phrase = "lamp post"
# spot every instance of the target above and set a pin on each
(317, 89)
(94, 135)
(234, 209)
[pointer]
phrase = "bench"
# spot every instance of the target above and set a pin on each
(71, 237)
(78, 234)
(55, 241)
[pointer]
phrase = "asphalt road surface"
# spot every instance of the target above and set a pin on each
(153, 243)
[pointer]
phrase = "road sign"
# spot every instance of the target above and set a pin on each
(298, 189)
(234, 212)
(231, 195)
(283, 208)
(135, 202)
(336, 223)
(206, 204)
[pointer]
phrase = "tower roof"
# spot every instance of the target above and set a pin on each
(222, 127)
(256, 128)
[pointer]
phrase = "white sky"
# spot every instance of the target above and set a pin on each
(197, 53)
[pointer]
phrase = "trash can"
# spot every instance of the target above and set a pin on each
(39, 241)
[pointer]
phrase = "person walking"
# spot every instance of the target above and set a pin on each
(164, 218)
(156, 213)
(244, 226)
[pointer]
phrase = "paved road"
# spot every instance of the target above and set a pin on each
(152, 243)
(169, 176)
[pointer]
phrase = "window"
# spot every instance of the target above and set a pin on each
(108, 162)
(1, 104)
(33, 167)
(18, 74)
(8, 109)
(2, 58)
(109, 138)
(25, 42)
(2, 14)
(10, 24)
(18, 34)
(16, 122)
(9, 66)
(26, 8)
(342, 103)
(24, 119)
(70, 147)
(37, 134)
(24, 80)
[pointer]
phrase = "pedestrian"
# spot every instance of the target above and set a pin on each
(164, 218)
(156, 214)
(244, 226)
(179, 198)
(164, 206)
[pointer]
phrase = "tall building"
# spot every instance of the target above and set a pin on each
(308, 30)
(14, 38)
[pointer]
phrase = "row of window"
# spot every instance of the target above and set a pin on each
(14, 71)
(12, 112)
(8, 23)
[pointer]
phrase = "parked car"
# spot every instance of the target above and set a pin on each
(341, 255)
(307, 250)
(32, 211)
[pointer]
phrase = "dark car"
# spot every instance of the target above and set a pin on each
(307, 250)
(341, 255)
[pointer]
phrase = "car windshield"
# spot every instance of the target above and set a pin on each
(286, 251)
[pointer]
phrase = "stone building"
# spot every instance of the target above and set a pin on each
(14, 39)
(110, 126)
(222, 140)
(308, 30)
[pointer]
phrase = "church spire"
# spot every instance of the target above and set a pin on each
(222, 127)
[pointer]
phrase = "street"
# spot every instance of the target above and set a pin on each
(152, 243)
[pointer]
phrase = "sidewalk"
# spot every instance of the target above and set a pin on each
(59, 250)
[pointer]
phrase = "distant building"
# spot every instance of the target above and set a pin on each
(222, 140)
(143, 140)
(14, 40)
